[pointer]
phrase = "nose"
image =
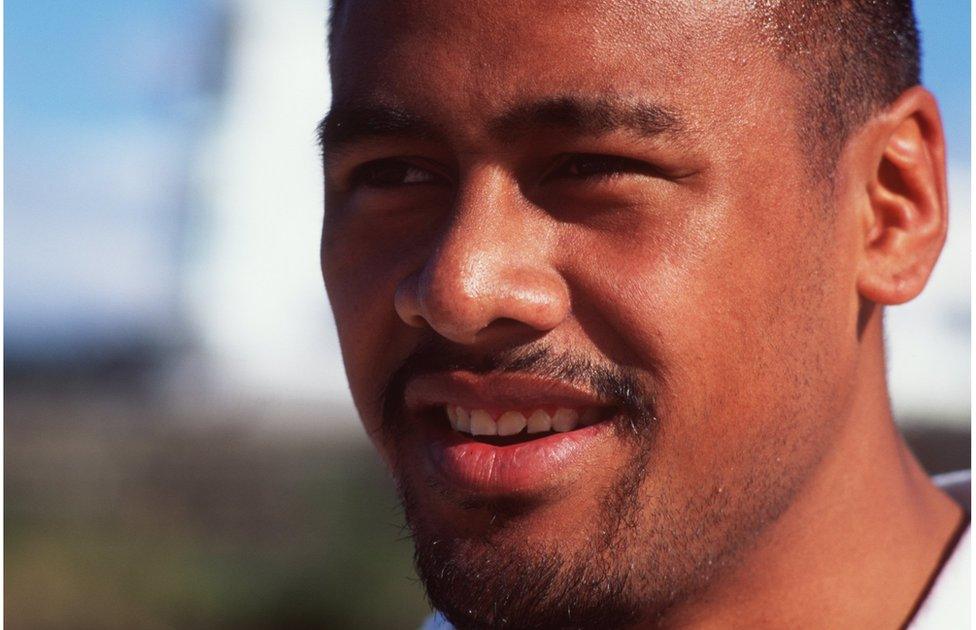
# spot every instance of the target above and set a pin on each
(490, 274)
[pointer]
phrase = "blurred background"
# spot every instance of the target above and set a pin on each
(180, 447)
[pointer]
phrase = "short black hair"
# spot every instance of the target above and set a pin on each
(335, 8)
(855, 57)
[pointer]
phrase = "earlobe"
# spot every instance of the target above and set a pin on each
(905, 219)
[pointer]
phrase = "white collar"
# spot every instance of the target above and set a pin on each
(947, 605)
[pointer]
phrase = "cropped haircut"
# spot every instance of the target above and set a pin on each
(855, 57)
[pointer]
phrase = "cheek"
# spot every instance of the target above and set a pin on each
(739, 328)
(361, 269)
(750, 349)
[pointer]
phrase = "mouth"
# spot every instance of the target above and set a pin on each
(506, 427)
(506, 434)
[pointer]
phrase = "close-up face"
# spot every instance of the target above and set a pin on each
(596, 312)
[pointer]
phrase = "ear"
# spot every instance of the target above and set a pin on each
(904, 214)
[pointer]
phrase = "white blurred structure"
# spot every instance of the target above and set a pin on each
(256, 301)
(928, 339)
(255, 297)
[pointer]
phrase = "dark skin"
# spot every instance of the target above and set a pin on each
(608, 181)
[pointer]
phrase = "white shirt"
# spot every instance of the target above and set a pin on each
(947, 606)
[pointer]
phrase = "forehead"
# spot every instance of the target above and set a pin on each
(466, 59)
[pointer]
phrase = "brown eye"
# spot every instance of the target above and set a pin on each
(391, 173)
(589, 166)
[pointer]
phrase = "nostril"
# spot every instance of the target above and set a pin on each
(468, 295)
(510, 330)
(416, 321)
(508, 325)
(406, 303)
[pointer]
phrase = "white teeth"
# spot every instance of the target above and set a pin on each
(539, 422)
(463, 420)
(564, 420)
(482, 424)
(452, 416)
(510, 423)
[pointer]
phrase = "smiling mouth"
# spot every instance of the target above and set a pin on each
(501, 434)
(504, 427)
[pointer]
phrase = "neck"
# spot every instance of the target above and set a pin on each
(859, 544)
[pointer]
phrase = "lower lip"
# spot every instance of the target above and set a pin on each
(525, 468)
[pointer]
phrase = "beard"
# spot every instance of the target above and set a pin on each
(494, 581)
(637, 554)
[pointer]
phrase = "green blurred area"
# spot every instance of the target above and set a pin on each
(122, 513)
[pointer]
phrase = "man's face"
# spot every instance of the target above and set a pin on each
(599, 211)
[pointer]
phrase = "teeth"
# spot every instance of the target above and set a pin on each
(510, 423)
(452, 416)
(482, 424)
(564, 420)
(463, 420)
(539, 422)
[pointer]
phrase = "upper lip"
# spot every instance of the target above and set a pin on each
(506, 390)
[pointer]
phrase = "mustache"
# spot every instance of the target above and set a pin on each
(620, 385)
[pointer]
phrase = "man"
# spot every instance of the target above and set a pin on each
(609, 281)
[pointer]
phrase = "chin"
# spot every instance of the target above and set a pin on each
(504, 569)
(545, 559)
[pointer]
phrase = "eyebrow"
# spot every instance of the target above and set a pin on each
(346, 125)
(585, 117)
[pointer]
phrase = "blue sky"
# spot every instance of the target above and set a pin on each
(104, 104)
(946, 59)
(96, 61)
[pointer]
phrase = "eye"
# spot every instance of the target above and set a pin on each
(391, 173)
(596, 166)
